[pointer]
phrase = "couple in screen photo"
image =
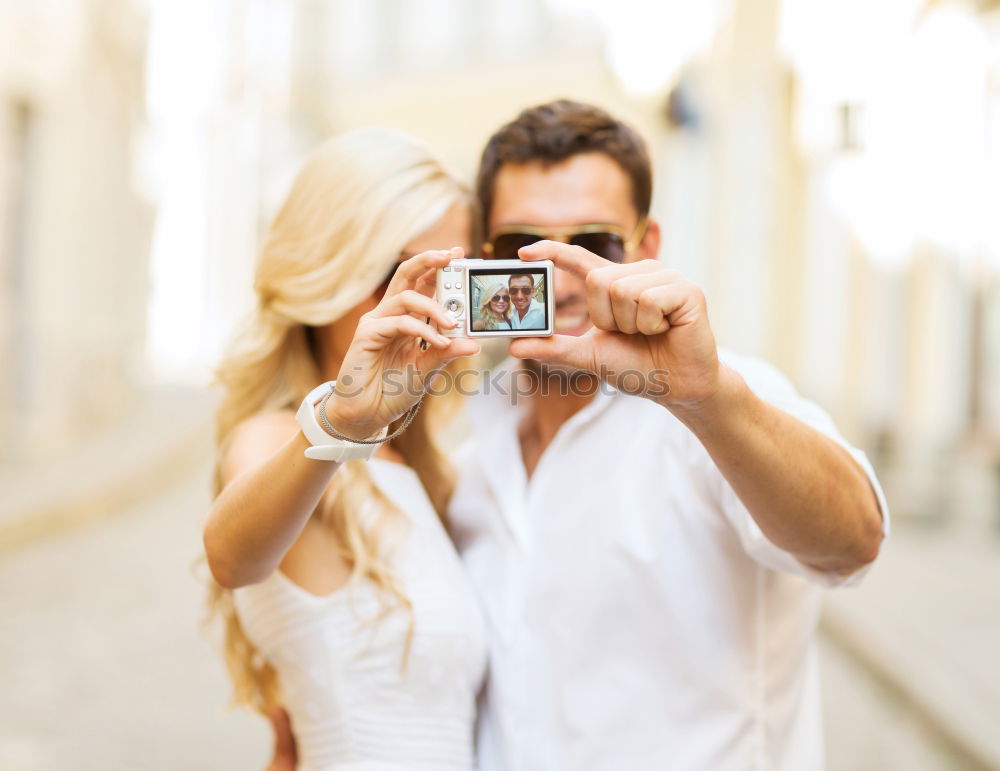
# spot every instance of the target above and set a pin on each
(513, 301)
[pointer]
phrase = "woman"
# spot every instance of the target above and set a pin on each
(342, 596)
(494, 305)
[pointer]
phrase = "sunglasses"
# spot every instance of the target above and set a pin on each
(608, 241)
(521, 290)
(500, 298)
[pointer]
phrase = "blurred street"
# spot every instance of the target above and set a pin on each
(105, 665)
(102, 658)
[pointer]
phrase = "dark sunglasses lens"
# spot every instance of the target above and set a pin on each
(505, 246)
(607, 245)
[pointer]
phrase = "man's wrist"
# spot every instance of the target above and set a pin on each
(717, 410)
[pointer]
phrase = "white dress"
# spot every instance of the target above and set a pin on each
(351, 703)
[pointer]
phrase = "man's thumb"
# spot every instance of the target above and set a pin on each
(576, 352)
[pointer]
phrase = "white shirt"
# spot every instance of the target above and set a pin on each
(637, 617)
(534, 317)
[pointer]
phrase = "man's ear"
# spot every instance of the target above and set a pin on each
(649, 246)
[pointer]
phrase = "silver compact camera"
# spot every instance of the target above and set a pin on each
(497, 298)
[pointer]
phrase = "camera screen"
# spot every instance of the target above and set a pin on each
(501, 300)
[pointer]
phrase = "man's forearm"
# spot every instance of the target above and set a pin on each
(806, 493)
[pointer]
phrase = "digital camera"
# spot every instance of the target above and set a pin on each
(497, 298)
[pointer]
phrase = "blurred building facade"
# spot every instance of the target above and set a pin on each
(838, 213)
(74, 232)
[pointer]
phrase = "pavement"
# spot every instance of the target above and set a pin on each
(925, 626)
(103, 658)
(105, 664)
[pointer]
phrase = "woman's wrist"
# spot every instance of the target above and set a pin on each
(351, 426)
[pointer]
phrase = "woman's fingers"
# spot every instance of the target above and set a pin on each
(427, 284)
(410, 301)
(421, 268)
(378, 334)
(382, 331)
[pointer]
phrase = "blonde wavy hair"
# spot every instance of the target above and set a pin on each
(357, 201)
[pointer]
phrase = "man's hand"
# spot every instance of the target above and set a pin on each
(805, 492)
(647, 319)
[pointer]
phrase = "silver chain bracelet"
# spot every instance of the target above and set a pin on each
(325, 422)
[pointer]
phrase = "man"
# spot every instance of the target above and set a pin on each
(650, 557)
(528, 312)
(650, 565)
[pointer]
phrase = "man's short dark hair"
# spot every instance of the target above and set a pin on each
(521, 275)
(552, 132)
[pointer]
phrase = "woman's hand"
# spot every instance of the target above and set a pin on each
(387, 368)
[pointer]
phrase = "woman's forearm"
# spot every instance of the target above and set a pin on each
(260, 513)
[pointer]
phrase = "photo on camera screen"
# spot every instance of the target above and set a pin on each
(502, 300)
